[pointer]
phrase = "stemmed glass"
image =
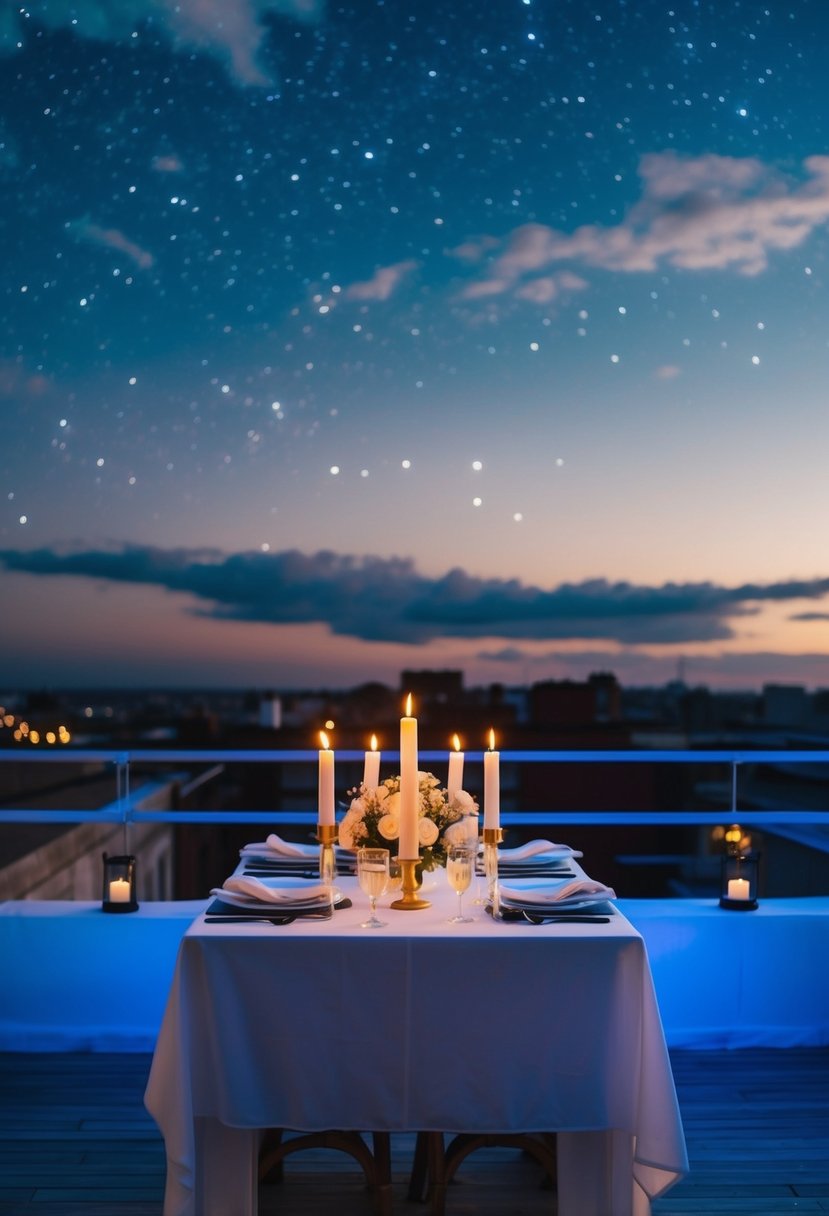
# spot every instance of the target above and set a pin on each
(477, 874)
(460, 862)
(373, 876)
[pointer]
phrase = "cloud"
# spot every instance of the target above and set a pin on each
(111, 238)
(383, 283)
(735, 671)
(549, 287)
(231, 31)
(809, 616)
(694, 213)
(379, 599)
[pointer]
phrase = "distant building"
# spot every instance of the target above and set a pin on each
(786, 705)
(270, 711)
(570, 703)
(443, 687)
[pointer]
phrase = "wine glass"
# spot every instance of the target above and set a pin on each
(460, 862)
(373, 876)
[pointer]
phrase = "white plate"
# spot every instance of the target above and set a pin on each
(283, 882)
(535, 893)
(597, 904)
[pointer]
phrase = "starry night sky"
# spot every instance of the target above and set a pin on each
(341, 338)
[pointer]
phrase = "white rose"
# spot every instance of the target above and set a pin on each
(388, 827)
(392, 804)
(345, 836)
(434, 799)
(427, 779)
(455, 833)
(464, 802)
(427, 831)
(380, 794)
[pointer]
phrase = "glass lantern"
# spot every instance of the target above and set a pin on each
(119, 894)
(738, 881)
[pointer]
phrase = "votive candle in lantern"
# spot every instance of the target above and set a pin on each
(738, 888)
(408, 845)
(118, 886)
(371, 768)
(119, 891)
(454, 781)
(492, 787)
(326, 783)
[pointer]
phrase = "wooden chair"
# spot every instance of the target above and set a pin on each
(435, 1165)
(376, 1165)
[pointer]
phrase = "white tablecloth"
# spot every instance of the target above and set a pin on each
(423, 1025)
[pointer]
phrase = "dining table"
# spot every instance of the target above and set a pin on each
(491, 1026)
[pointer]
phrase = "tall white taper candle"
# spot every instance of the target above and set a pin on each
(408, 846)
(326, 783)
(492, 785)
(454, 781)
(371, 768)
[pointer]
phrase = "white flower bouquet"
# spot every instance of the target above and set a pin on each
(373, 818)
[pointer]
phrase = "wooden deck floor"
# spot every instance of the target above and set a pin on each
(75, 1141)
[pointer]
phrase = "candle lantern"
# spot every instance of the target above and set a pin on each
(738, 880)
(119, 894)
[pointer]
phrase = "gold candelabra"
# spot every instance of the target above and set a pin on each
(326, 835)
(409, 901)
(492, 838)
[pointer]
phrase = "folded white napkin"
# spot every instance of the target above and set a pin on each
(252, 891)
(282, 848)
(534, 849)
(565, 891)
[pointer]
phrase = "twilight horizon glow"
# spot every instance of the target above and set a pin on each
(345, 339)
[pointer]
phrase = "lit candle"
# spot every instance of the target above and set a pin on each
(119, 891)
(326, 782)
(371, 769)
(738, 888)
(408, 846)
(492, 790)
(454, 781)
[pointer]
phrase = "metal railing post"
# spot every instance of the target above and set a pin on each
(122, 793)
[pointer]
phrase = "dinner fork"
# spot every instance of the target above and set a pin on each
(253, 919)
(547, 918)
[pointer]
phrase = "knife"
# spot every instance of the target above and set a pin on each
(548, 918)
(263, 872)
(524, 872)
(278, 918)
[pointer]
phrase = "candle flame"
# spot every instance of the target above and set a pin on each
(492, 740)
(374, 743)
(409, 706)
(324, 740)
(456, 743)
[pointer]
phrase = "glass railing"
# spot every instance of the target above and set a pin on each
(728, 781)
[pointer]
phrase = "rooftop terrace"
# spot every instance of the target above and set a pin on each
(76, 1141)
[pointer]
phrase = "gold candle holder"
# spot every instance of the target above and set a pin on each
(409, 901)
(326, 835)
(492, 838)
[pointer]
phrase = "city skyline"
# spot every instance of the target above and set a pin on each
(343, 341)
